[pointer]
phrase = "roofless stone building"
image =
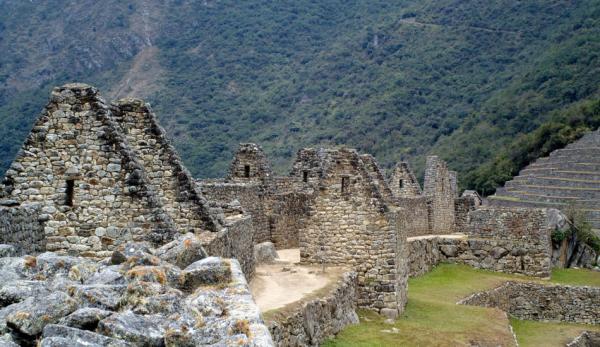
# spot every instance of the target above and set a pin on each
(102, 174)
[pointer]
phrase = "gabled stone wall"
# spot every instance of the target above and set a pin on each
(77, 165)
(171, 181)
(249, 164)
(104, 175)
(403, 182)
(349, 224)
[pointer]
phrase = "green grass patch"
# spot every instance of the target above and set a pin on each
(532, 333)
(576, 277)
(432, 317)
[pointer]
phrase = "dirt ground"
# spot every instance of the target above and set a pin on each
(279, 284)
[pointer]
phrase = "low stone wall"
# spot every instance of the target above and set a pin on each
(423, 255)
(586, 339)
(318, 319)
(233, 242)
(533, 301)
(22, 227)
(508, 256)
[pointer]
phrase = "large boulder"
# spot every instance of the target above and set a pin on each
(60, 336)
(182, 252)
(32, 315)
(86, 318)
(103, 296)
(7, 251)
(212, 270)
(265, 253)
(141, 330)
(17, 291)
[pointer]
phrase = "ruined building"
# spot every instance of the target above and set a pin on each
(94, 175)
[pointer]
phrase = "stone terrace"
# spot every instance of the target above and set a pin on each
(568, 176)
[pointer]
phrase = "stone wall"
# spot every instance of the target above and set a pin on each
(423, 255)
(403, 182)
(438, 187)
(286, 218)
(76, 164)
(519, 238)
(252, 198)
(505, 240)
(172, 183)
(462, 207)
(414, 216)
(315, 321)
(22, 227)
(533, 301)
(249, 164)
(105, 175)
(488, 254)
(586, 339)
(234, 241)
(350, 224)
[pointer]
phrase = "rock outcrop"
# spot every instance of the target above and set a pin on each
(140, 296)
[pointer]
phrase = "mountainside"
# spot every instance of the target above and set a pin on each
(400, 80)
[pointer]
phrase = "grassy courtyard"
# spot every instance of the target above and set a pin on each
(432, 317)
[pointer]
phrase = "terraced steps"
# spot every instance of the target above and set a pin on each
(568, 176)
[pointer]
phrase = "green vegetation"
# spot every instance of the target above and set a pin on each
(576, 277)
(432, 317)
(579, 229)
(400, 80)
(564, 127)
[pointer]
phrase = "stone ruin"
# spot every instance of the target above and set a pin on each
(99, 184)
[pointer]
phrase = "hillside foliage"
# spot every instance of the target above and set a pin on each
(475, 81)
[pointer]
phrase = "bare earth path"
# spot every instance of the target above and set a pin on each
(284, 282)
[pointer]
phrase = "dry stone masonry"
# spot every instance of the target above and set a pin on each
(533, 301)
(315, 321)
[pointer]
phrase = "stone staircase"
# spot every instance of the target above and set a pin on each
(568, 176)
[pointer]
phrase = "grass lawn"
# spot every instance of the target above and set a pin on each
(432, 318)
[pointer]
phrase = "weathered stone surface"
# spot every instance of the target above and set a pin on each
(20, 290)
(85, 318)
(106, 276)
(141, 330)
(32, 315)
(586, 339)
(211, 270)
(534, 301)
(265, 252)
(7, 251)
(60, 335)
(104, 296)
(6, 340)
(182, 252)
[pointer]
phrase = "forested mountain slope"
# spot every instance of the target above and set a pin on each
(398, 79)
